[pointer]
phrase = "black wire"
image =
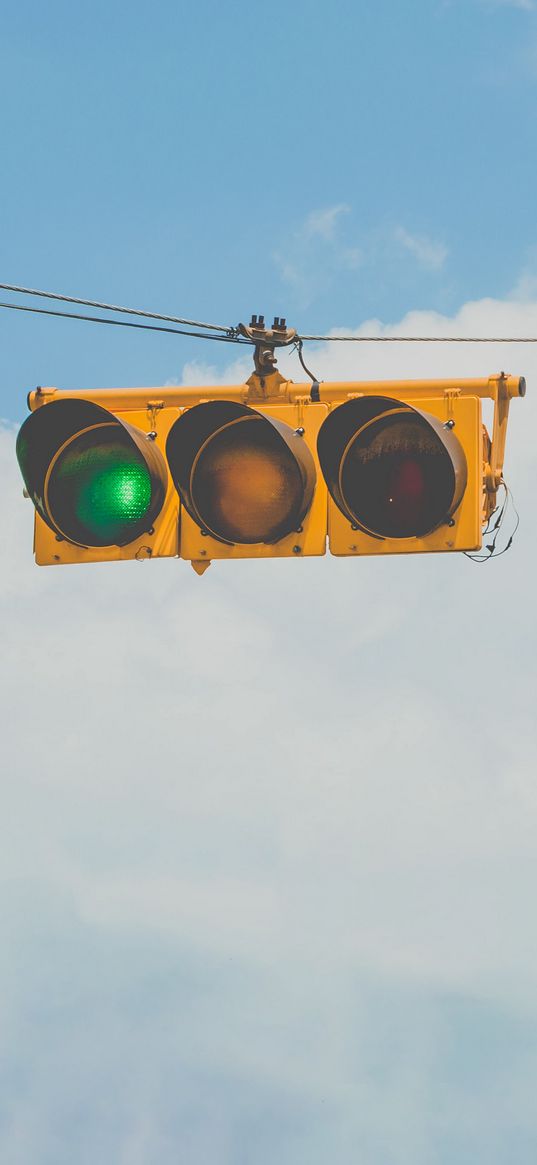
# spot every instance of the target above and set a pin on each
(497, 527)
(315, 383)
(44, 311)
(131, 311)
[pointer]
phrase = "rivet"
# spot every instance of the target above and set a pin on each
(300, 432)
(296, 549)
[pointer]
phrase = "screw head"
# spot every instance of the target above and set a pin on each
(297, 549)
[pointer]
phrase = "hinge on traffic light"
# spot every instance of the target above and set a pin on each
(451, 395)
(153, 407)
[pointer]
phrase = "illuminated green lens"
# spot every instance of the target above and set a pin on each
(100, 488)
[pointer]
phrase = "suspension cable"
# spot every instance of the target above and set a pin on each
(44, 311)
(423, 339)
(133, 311)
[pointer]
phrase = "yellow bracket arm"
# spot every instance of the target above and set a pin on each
(502, 390)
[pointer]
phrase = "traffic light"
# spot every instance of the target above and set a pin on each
(99, 482)
(264, 469)
(403, 479)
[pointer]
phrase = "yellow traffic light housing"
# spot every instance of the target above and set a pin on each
(393, 470)
(403, 479)
(264, 469)
(96, 480)
(249, 481)
(99, 483)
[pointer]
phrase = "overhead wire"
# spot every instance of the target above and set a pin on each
(227, 339)
(231, 332)
(423, 339)
(133, 311)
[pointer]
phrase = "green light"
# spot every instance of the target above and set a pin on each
(100, 488)
(113, 498)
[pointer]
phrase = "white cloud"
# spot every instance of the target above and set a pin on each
(322, 223)
(429, 254)
(320, 252)
(313, 253)
(271, 834)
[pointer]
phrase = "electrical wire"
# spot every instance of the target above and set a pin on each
(44, 311)
(314, 382)
(423, 339)
(133, 311)
(490, 547)
(232, 332)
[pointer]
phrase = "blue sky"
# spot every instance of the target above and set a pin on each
(176, 158)
(269, 846)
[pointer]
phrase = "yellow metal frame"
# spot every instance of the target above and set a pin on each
(176, 534)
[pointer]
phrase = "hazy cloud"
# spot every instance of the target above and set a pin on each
(429, 254)
(325, 249)
(322, 223)
(314, 252)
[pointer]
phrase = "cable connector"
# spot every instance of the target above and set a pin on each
(266, 340)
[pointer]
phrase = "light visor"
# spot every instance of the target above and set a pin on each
(393, 470)
(245, 478)
(94, 479)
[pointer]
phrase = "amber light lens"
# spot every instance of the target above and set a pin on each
(246, 485)
(397, 477)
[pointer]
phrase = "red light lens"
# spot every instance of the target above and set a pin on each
(397, 477)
